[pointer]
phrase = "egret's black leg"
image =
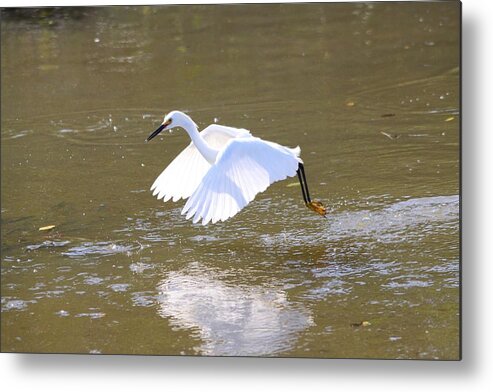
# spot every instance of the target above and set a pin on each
(302, 185)
(316, 206)
(302, 170)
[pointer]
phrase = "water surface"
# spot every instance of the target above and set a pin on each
(369, 91)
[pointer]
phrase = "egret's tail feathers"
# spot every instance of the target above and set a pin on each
(297, 152)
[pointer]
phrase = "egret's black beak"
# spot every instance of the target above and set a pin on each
(158, 131)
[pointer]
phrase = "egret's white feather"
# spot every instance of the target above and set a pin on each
(184, 173)
(244, 167)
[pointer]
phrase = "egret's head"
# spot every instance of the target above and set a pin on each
(172, 120)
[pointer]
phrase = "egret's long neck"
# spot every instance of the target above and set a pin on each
(207, 151)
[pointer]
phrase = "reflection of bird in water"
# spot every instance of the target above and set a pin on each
(231, 320)
(223, 168)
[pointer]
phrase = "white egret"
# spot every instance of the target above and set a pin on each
(223, 168)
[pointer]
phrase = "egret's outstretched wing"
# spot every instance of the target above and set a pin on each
(184, 173)
(245, 167)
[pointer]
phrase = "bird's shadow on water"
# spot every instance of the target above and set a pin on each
(371, 369)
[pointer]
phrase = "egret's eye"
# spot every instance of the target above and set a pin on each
(168, 122)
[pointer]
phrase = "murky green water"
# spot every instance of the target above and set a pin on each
(369, 91)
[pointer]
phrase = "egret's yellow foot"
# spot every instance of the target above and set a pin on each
(318, 207)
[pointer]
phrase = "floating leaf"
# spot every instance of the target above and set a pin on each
(449, 119)
(292, 184)
(350, 103)
(46, 228)
(48, 67)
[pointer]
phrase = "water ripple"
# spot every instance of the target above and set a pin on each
(14, 304)
(48, 244)
(98, 249)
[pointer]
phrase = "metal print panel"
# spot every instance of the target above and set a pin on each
(348, 247)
